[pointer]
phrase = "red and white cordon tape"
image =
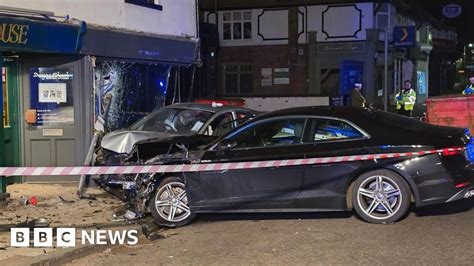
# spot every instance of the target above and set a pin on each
(142, 169)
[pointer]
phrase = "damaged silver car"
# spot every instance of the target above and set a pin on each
(177, 126)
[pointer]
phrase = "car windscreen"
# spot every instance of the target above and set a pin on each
(179, 121)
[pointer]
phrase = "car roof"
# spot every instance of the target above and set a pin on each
(208, 107)
(340, 112)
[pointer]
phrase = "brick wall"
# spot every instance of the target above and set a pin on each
(268, 56)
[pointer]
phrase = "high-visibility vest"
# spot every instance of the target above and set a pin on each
(468, 90)
(408, 99)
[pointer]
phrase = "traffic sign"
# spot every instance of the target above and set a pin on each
(404, 36)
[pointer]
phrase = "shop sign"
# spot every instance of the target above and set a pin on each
(353, 47)
(51, 95)
(404, 36)
(452, 11)
(19, 34)
(281, 76)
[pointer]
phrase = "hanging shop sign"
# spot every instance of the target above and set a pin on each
(404, 36)
(51, 95)
(19, 34)
(452, 11)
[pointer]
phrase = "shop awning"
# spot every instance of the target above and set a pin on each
(135, 46)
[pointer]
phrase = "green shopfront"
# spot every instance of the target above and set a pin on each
(55, 75)
(40, 66)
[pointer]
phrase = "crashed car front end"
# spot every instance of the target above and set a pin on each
(135, 189)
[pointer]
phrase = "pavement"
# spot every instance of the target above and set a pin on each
(436, 235)
(58, 206)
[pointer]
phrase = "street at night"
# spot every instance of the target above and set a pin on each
(236, 132)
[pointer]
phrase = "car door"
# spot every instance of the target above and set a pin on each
(325, 185)
(262, 188)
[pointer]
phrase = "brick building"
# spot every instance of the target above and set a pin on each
(302, 48)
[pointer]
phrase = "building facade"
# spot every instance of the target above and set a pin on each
(303, 48)
(66, 63)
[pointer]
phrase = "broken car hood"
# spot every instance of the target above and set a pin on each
(123, 141)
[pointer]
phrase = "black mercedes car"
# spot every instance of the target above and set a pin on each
(416, 163)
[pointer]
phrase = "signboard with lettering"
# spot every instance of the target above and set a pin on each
(452, 11)
(352, 47)
(19, 34)
(404, 36)
(51, 95)
(281, 76)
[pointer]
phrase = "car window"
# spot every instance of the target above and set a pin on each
(331, 129)
(242, 117)
(220, 125)
(173, 120)
(271, 133)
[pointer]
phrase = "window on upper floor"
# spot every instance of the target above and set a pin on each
(237, 25)
(237, 79)
(154, 4)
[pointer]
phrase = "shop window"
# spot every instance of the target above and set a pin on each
(6, 114)
(237, 25)
(238, 79)
(330, 82)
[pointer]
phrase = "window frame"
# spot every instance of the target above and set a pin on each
(308, 139)
(304, 137)
(242, 22)
(239, 72)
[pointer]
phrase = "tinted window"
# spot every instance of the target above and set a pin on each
(221, 124)
(242, 117)
(329, 129)
(271, 133)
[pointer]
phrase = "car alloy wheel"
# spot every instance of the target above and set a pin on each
(171, 202)
(381, 196)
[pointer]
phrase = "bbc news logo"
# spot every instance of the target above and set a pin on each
(66, 237)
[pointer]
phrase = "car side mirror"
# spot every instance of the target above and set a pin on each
(226, 144)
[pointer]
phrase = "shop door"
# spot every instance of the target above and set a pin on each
(11, 122)
(52, 128)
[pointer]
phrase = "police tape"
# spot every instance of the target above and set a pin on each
(202, 167)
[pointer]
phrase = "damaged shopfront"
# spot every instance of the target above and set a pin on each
(54, 91)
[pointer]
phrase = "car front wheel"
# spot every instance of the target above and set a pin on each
(381, 197)
(169, 203)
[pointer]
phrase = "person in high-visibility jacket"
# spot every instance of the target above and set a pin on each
(406, 99)
(470, 87)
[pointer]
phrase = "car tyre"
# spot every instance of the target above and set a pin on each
(169, 203)
(380, 196)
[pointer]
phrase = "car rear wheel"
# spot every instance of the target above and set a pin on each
(169, 203)
(380, 197)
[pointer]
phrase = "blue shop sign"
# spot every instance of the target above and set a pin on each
(18, 34)
(404, 36)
